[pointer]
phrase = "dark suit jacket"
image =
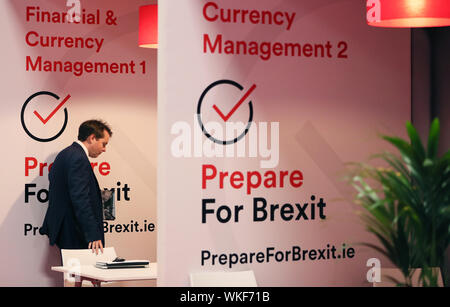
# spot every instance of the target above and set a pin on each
(74, 216)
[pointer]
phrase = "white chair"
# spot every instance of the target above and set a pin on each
(223, 279)
(78, 257)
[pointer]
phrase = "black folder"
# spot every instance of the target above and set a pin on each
(122, 265)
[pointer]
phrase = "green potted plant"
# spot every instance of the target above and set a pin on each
(406, 204)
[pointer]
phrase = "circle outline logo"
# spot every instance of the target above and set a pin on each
(22, 120)
(199, 106)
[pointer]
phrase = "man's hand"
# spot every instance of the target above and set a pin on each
(96, 245)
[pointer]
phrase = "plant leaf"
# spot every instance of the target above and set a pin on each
(416, 143)
(433, 139)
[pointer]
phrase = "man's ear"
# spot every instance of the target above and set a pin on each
(91, 138)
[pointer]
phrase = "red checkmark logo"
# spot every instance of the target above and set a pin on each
(53, 112)
(236, 106)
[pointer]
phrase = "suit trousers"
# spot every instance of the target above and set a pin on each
(69, 236)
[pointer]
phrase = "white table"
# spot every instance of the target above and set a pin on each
(97, 276)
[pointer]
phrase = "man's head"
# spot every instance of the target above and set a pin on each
(95, 136)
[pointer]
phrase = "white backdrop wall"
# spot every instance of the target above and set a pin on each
(322, 84)
(123, 94)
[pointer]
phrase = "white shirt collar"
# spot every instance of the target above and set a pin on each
(84, 147)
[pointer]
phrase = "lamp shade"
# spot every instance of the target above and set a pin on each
(408, 13)
(148, 26)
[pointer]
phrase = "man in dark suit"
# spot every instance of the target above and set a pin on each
(74, 218)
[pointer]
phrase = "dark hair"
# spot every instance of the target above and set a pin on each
(96, 127)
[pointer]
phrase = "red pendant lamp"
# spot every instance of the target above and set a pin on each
(408, 13)
(148, 26)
